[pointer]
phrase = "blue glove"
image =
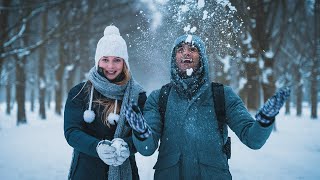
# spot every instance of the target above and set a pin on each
(136, 120)
(271, 108)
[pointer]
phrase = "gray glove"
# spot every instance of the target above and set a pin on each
(106, 152)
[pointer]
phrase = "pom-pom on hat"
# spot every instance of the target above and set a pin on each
(111, 44)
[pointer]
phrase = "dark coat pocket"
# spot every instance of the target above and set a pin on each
(167, 167)
(211, 168)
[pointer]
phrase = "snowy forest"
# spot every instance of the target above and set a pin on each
(256, 47)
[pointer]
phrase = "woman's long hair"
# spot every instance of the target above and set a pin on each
(107, 103)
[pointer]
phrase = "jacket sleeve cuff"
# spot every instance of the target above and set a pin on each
(142, 136)
(264, 120)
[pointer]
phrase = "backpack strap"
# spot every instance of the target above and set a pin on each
(220, 110)
(219, 104)
(163, 99)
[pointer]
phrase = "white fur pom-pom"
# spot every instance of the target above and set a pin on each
(88, 116)
(113, 118)
(111, 30)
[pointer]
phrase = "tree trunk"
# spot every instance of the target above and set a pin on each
(59, 80)
(49, 97)
(72, 63)
(32, 96)
(42, 78)
(60, 67)
(315, 68)
(8, 88)
(252, 87)
(262, 45)
(84, 41)
(70, 78)
(21, 75)
(299, 99)
(20, 91)
(8, 98)
(252, 68)
(299, 93)
(3, 26)
(287, 110)
(269, 86)
(85, 63)
(288, 102)
(3, 38)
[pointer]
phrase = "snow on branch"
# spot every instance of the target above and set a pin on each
(23, 26)
(27, 50)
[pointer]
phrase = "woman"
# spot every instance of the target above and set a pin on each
(94, 121)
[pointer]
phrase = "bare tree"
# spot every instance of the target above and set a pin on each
(3, 25)
(18, 46)
(20, 84)
(60, 66)
(4, 14)
(264, 35)
(315, 71)
(21, 59)
(10, 81)
(41, 71)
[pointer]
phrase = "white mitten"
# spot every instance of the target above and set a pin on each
(106, 152)
(122, 151)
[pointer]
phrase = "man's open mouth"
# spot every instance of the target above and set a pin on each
(186, 60)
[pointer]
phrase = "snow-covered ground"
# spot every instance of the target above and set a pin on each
(38, 150)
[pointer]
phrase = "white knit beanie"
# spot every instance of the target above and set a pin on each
(111, 44)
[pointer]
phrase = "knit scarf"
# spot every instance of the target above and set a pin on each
(105, 87)
(187, 87)
(126, 93)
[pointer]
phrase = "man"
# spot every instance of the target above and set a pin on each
(190, 141)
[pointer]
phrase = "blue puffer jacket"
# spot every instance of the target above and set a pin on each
(84, 137)
(190, 142)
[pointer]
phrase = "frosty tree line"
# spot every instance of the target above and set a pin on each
(47, 46)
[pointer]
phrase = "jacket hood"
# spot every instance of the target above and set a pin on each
(204, 66)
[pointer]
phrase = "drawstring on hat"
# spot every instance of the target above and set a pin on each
(113, 118)
(89, 115)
